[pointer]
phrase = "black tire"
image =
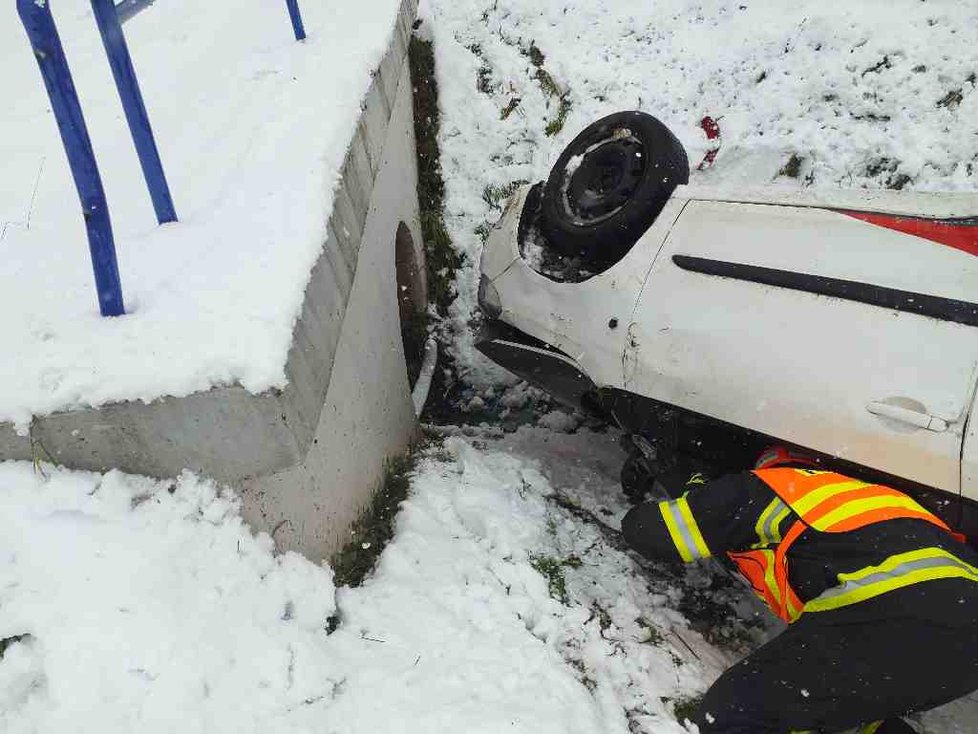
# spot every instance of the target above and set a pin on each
(627, 166)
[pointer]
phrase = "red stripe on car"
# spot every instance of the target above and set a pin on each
(959, 234)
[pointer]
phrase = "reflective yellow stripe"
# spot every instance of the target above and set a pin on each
(770, 581)
(761, 527)
(793, 611)
(858, 507)
(677, 537)
(871, 728)
(699, 541)
(683, 530)
(776, 525)
(768, 527)
(817, 496)
(896, 572)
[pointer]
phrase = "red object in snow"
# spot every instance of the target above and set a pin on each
(960, 234)
(712, 129)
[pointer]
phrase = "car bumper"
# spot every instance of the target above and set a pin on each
(538, 363)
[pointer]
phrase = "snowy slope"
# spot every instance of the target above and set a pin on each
(870, 94)
(152, 608)
(252, 128)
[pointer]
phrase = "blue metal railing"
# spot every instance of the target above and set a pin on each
(116, 49)
(49, 54)
(296, 16)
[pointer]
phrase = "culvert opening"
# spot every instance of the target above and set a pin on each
(412, 299)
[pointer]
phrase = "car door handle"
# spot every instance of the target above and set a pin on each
(907, 415)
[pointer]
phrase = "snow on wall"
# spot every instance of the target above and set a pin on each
(252, 129)
(880, 93)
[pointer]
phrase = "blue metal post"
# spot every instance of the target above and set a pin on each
(132, 103)
(296, 15)
(43, 35)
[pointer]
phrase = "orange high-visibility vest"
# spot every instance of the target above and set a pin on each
(825, 502)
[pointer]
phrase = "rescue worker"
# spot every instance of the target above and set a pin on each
(880, 596)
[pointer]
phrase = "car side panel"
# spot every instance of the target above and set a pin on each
(804, 367)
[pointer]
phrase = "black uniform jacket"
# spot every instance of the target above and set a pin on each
(727, 511)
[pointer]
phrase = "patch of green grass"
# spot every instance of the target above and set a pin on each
(655, 637)
(441, 257)
(509, 108)
(551, 89)
(496, 196)
(552, 569)
(792, 169)
(886, 169)
(374, 529)
(482, 230)
(685, 707)
(557, 124)
(483, 77)
(547, 83)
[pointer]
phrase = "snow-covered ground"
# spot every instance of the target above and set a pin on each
(252, 129)
(150, 606)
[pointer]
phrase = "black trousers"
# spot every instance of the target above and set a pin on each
(909, 650)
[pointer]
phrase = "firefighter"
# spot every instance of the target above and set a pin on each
(880, 596)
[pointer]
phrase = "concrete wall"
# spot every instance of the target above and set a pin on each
(306, 457)
(368, 415)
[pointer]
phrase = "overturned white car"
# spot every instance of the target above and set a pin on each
(708, 323)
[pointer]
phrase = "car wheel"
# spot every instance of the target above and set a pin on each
(609, 185)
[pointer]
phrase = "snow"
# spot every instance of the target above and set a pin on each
(871, 94)
(503, 602)
(151, 606)
(252, 129)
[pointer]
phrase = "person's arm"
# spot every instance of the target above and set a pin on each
(711, 518)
